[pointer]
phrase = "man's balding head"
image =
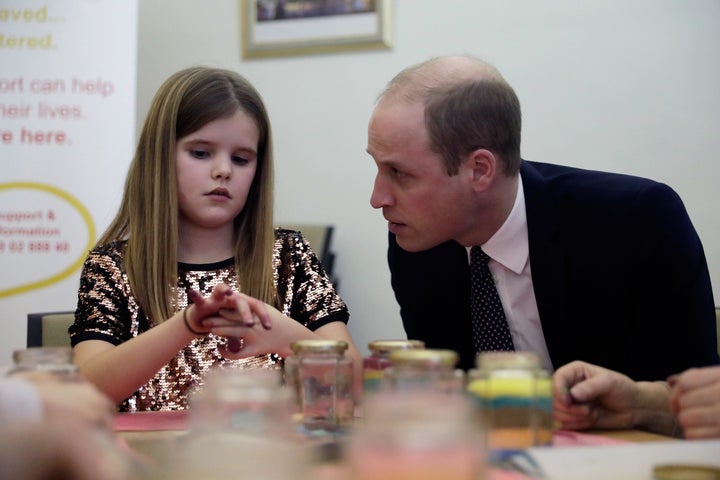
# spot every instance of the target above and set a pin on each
(467, 105)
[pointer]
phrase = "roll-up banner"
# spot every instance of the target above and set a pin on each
(67, 128)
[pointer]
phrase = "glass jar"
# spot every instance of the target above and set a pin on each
(408, 435)
(379, 359)
(237, 400)
(321, 377)
(240, 423)
(57, 361)
(424, 369)
(514, 399)
(544, 410)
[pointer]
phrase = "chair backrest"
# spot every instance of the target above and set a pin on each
(49, 329)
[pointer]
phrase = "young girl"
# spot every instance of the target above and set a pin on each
(191, 273)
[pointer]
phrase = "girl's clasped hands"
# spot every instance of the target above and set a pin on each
(227, 313)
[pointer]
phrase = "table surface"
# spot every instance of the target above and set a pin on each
(151, 435)
(158, 425)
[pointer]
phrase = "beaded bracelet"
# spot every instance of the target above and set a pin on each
(187, 324)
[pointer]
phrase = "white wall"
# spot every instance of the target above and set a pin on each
(612, 85)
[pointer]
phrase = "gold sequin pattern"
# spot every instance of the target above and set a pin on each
(108, 311)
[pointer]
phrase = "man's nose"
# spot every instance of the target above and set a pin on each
(380, 196)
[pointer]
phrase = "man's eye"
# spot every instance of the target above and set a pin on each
(397, 173)
(197, 153)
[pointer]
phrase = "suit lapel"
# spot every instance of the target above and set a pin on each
(546, 261)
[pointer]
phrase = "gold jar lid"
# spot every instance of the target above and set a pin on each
(686, 472)
(319, 346)
(386, 346)
(424, 358)
(505, 360)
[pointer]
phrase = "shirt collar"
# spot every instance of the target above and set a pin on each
(509, 245)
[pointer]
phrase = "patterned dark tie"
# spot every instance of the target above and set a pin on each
(490, 328)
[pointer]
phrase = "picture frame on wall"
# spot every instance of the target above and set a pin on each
(274, 28)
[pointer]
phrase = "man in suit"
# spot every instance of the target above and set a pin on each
(588, 265)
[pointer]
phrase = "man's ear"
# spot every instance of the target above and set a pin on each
(483, 166)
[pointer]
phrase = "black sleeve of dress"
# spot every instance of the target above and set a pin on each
(304, 288)
(102, 308)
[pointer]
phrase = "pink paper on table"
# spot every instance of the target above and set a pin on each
(568, 438)
(148, 421)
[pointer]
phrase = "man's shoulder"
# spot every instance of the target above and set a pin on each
(574, 183)
(568, 174)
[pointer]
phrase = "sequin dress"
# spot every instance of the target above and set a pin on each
(107, 310)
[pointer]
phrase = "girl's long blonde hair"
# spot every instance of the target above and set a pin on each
(148, 215)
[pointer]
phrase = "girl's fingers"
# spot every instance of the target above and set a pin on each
(265, 321)
(235, 318)
(194, 296)
(225, 303)
(260, 314)
(260, 310)
(232, 329)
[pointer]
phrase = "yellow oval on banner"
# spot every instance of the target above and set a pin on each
(86, 217)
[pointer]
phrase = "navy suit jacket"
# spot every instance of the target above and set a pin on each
(619, 273)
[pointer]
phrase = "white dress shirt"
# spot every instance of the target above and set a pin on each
(509, 264)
